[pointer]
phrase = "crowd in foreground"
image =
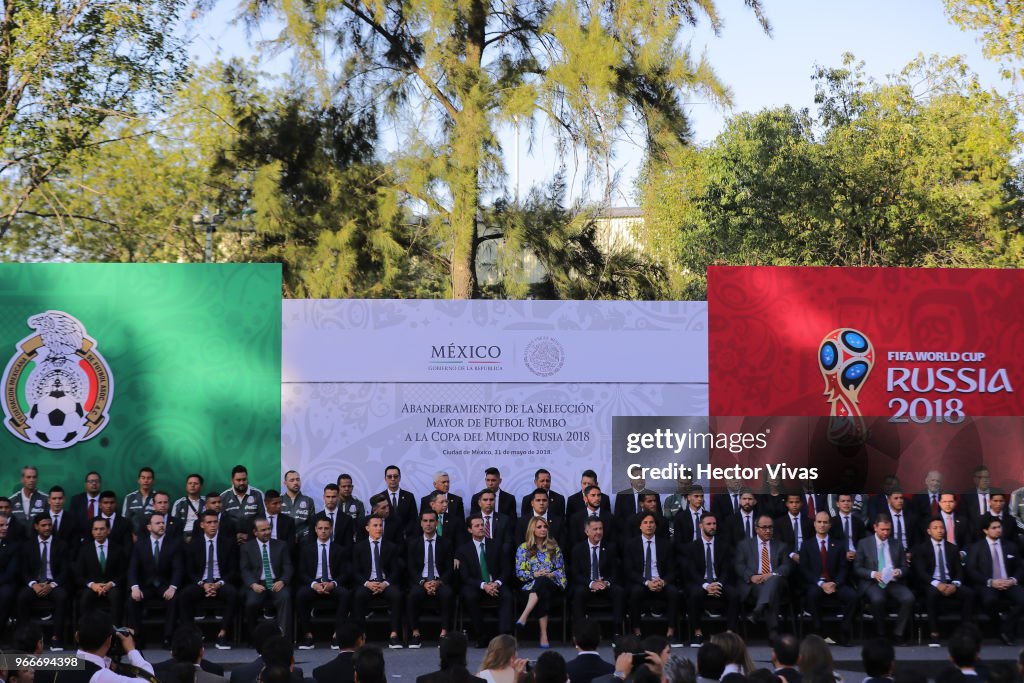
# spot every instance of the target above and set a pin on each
(736, 554)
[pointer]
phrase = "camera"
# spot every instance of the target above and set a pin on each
(116, 650)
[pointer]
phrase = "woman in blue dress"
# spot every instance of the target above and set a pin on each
(541, 569)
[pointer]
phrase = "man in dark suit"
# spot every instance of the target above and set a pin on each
(212, 573)
(708, 584)
(339, 669)
(879, 503)
(267, 573)
(577, 501)
(498, 528)
(394, 530)
(904, 524)
(429, 566)
(120, 527)
(46, 575)
(556, 501)
(793, 528)
(976, 503)
(598, 580)
(504, 502)
(785, 657)
(726, 504)
(453, 663)
(995, 569)
(86, 505)
(100, 569)
(402, 503)
(65, 527)
(161, 506)
(881, 568)
(997, 509)
(484, 580)
(16, 531)
(742, 525)
(879, 659)
(376, 572)
(627, 503)
(10, 566)
(958, 529)
(587, 665)
(226, 523)
(450, 527)
(282, 527)
(321, 577)
(824, 568)
(813, 503)
(650, 573)
(342, 526)
(577, 524)
(925, 504)
(539, 508)
(847, 528)
(936, 565)
(155, 572)
(456, 506)
(686, 525)
(187, 648)
(763, 567)
(648, 503)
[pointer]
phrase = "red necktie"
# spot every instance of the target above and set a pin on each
(92, 508)
(935, 505)
(810, 506)
(824, 562)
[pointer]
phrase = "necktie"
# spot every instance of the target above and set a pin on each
(796, 532)
(941, 560)
(846, 530)
(376, 561)
(103, 559)
(735, 503)
(696, 524)
(709, 564)
(440, 527)
(881, 563)
(272, 534)
(810, 506)
(92, 508)
(330, 515)
(950, 529)
(997, 563)
(648, 566)
(56, 523)
(824, 560)
(935, 505)
(485, 575)
(487, 526)
(394, 500)
(431, 572)
(595, 573)
(209, 562)
(156, 555)
(984, 503)
(268, 575)
(899, 531)
(766, 565)
(746, 527)
(324, 570)
(44, 576)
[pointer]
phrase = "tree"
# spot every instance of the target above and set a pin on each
(456, 69)
(1001, 23)
(66, 67)
(915, 172)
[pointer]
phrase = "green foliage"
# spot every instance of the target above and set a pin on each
(460, 68)
(66, 68)
(915, 172)
(1001, 24)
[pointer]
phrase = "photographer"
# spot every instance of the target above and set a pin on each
(95, 635)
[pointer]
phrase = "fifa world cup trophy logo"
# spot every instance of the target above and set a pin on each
(845, 358)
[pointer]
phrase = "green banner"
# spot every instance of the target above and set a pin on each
(112, 367)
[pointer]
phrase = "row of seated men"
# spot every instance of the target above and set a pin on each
(709, 570)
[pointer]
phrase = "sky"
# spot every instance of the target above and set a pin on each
(761, 71)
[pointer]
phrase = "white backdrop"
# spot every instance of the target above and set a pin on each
(463, 385)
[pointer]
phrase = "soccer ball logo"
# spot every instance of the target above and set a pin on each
(58, 388)
(845, 358)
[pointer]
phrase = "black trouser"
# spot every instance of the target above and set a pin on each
(361, 605)
(282, 602)
(306, 598)
(877, 599)
(1014, 596)
(193, 597)
(7, 593)
(155, 593)
(471, 598)
(58, 597)
(414, 601)
(845, 595)
(112, 602)
(581, 595)
(697, 599)
(935, 601)
(545, 589)
(639, 594)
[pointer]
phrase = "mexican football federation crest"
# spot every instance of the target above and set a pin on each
(57, 387)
